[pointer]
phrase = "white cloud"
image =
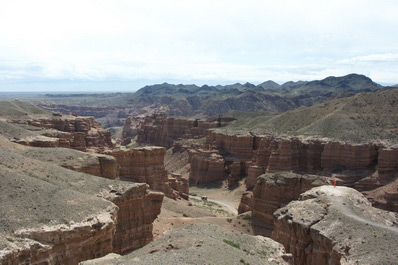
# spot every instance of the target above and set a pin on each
(373, 58)
(221, 40)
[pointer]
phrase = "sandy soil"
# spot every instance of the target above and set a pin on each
(178, 213)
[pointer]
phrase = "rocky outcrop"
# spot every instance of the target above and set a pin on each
(336, 225)
(146, 165)
(130, 128)
(304, 155)
(240, 146)
(96, 164)
(180, 184)
(246, 202)
(138, 208)
(160, 130)
(63, 244)
(274, 191)
(385, 197)
(338, 156)
(124, 226)
(203, 243)
(206, 167)
(72, 132)
(388, 160)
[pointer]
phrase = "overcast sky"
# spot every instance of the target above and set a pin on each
(123, 45)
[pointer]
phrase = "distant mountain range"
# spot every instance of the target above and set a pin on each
(193, 100)
(270, 96)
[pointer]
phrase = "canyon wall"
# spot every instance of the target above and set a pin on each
(160, 130)
(96, 164)
(138, 208)
(206, 166)
(124, 226)
(146, 165)
(316, 229)
(273, 191)
(304, 155)
(78, 133)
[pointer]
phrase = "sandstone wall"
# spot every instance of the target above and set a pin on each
(388, 160)
(274, 190)
(98, 165)
(206, 167)
(160, 130)
(336, 225)
(124, 226)
(241, 146)
(138, 208)
(304, 155)
(75, 132)
(146, 165)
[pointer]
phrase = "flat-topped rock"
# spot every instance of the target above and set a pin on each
(336, 225)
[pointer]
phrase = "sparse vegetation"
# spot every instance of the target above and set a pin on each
(231, 243)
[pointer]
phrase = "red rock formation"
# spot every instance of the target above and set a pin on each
(345, 156)
(240, 146)
(126, 225)
(304, 155)
(83, 132)
(160, 130)
(275, 190)
(146, 165)
(97, 164)
(206, 167)
(253, 172)
(336, 225)
(130, 128)
(63, 244)
(388, 160)
(246, 202)
(179, 184)
(138, 208)
(238, 170)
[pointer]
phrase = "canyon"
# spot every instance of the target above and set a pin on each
(59, 216)
(86, 195)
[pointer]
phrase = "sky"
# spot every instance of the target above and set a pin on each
(117, 45)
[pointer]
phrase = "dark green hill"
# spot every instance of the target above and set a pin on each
(269, 96)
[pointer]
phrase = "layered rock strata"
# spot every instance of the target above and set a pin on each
(274, 191)
(206, 167)
(160, 130)
(146, 165)
(304, 155)
(336, 225)
(246, 202)
(74, 132)
(97, 164)
(138, 208)
(52, 215)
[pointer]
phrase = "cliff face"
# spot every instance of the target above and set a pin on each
(138, 208)
(63, 244)
(146, 165)
(125, 225)
(315, 229)
(271, 154)
(74, 132)
(160, 130)
(241, 146)
(206, 166)
(98, 165)
(273, 191)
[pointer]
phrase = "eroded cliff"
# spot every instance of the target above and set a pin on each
(336, 225)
